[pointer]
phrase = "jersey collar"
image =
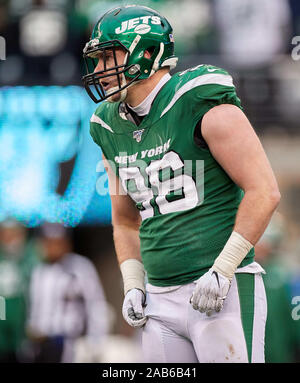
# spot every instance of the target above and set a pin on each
(144, 107)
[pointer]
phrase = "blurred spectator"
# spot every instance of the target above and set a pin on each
(295, 8)
(18, 256)
(68, 316)
(253, 32)
(254, 35)
(44, 41)
(281, 339)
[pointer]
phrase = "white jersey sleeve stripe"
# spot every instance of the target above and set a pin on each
(98, 120)
(216, 78)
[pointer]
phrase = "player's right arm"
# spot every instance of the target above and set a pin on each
(125, 219)
(126, 222)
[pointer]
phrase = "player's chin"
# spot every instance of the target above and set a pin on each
(116, 97)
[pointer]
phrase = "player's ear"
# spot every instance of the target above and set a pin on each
(149, 52)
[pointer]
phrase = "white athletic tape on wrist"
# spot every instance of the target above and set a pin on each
(133, 274)
(234, 251)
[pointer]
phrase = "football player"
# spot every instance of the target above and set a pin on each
(191, 189)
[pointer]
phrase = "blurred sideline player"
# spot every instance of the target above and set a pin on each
(191, 188)
(282, 332)
(68, 312)
(18, 256)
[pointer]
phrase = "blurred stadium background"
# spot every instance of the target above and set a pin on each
(50, 169)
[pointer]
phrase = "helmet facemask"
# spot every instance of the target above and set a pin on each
(137, 30)
(93, 81)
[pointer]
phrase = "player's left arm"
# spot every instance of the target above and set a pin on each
(236, 147)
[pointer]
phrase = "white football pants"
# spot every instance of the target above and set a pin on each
(176, 333)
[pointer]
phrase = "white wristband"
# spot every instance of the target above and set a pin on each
(234, 251)
(133, 274)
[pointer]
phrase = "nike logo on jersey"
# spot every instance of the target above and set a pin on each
(211, 69)
(217, 276)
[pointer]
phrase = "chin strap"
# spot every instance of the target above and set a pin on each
(155, 65)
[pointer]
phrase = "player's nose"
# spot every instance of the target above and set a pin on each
(99, 67)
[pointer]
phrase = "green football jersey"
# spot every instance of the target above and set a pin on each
(186, 200)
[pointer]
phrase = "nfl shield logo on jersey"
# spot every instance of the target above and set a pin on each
(137, 135)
